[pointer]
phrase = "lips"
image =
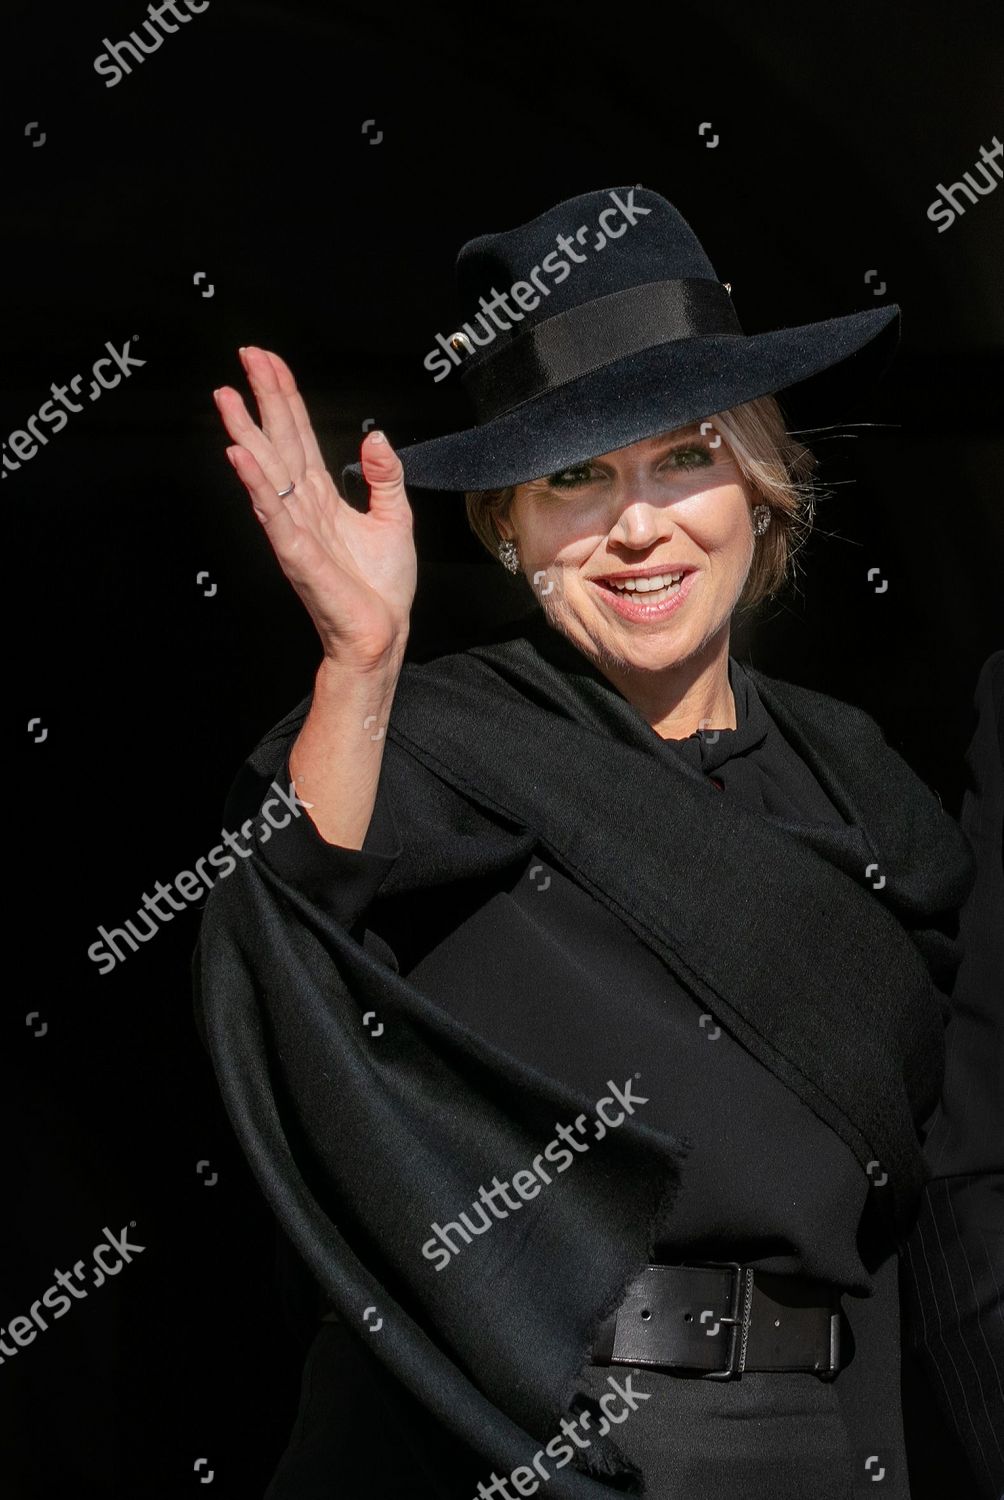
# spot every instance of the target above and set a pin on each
(611, 580)
(648, 606)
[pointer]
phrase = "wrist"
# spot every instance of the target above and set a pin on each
(369, 687)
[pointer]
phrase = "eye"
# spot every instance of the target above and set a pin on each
(689, 453)
(568, 479)
(687, 456)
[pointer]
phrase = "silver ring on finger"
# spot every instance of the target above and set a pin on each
(288, 490)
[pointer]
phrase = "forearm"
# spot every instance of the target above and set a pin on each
(335, 761)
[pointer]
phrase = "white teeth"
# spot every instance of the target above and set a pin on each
(647, 585)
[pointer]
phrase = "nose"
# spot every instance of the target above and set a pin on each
(641, 522)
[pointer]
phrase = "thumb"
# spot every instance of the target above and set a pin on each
(383, 472)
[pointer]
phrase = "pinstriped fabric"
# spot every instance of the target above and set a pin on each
(953, 1261)
(953, 1273)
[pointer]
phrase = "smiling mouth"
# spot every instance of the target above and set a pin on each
(645, 590)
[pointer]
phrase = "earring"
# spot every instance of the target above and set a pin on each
(508, 555)
(761, 519)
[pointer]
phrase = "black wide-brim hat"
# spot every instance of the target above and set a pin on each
(599, 324)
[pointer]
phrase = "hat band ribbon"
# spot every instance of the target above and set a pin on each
(585, 338)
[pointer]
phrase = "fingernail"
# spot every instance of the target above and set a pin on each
(378, 436)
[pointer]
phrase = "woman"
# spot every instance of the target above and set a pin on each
(584, 1031)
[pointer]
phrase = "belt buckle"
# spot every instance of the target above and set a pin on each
(833, 1366)
(739, 1320)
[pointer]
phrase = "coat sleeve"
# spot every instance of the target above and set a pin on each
(275, 827)
(343, 881)
(954, 1259)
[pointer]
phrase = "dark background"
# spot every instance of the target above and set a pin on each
(237, 150)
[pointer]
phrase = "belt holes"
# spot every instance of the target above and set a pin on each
(645, 1313)
(688, 1317)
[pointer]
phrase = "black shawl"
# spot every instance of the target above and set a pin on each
(828, 956)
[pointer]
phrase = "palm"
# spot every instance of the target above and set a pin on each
(355, 571)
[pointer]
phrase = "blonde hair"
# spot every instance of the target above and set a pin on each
(777, 468)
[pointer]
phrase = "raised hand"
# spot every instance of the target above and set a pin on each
(355, 571)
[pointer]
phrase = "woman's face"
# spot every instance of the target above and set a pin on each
(669, 503)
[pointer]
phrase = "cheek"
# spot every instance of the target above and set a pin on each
(720, 525)
(552, 535)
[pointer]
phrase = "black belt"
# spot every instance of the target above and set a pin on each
(694, 1316)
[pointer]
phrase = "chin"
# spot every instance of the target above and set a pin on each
(654, 658)
(644, 653)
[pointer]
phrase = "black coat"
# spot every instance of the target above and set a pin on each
(765, 1179)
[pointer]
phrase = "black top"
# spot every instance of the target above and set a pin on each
(766, 1182)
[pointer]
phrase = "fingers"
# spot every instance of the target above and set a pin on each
(277, 421)
(383, 472)
(230, 405)
(268, 507)
(287, 385)
(295, 546)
